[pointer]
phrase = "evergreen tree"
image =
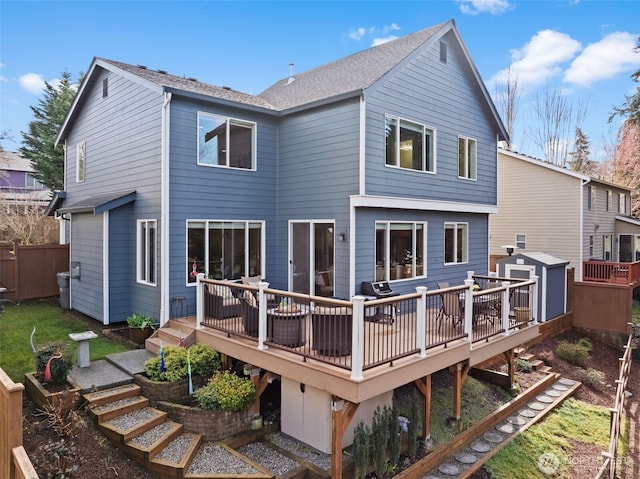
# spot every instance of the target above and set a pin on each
(580, 160)
(46, 159)
(631, 107)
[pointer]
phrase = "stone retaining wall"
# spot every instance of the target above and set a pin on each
(169, 391)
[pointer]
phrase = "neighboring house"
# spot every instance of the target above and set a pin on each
(545, 208)
(381, 165)
(17, 183)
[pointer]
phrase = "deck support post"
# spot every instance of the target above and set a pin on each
(424, 386)
(261, 384)
(510, 355)
(342, 412)
(460, 373)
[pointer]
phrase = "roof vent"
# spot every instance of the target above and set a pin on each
(226, 87)
(142, 66)
(192, 79)
(164, 72)
(291, 77)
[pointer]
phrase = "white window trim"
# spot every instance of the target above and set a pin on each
(206, 240)
(387, 252)
(470, 175)
(524, 241)
(399, 119)
(228, 122)
(455, 225)
(81, 158)
(142, 276)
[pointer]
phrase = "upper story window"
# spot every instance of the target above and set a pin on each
(146, 250)
(409, 145)
(608, 202)
(456, 243)
(400, 250)
(224, 249)
(105, 88)
(467, 158)
(80, 162)
(521, 241)
(622, 203)
(607, 247)
(31, 182)
(226, 142)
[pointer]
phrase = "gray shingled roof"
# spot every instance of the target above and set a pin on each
(190, 85)
(353, 73)
(350, 74)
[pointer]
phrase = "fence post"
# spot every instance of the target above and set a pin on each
(357, 339)
(262, 315)
(421, 318)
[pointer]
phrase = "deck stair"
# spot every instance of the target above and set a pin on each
(146, 434)
(171, 334)
(472, 448)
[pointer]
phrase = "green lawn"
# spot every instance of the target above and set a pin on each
(52, 324)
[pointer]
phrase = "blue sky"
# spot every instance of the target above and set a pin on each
(582, 48)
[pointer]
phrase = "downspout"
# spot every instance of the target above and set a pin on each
(581, 236)
(164, 211)
(361, 192)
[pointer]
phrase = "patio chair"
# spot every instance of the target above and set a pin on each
(332, 330)
(250, 314)
(443, 285)
(220, 303)
(451, 309)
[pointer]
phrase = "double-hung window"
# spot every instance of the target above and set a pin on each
(607, 247)
(467, 158)
(400, 250)
(456, 243)
(147, 252)
(226, 142)
(521, 241)
(409, 145)
(224, 249)
(31, 182)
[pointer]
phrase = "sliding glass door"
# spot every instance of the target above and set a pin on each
(311, 258)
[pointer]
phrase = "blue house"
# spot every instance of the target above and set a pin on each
(378, 166)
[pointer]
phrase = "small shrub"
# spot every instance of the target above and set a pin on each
(59, 366)
(412, 425)
(379, 439)
(585, 343)
(546, 356)
(361, 445)
(593, 378)
(226, 391)
(58, 460)
(523, 365)
(575, 353)
(204, 362)
(139, 320)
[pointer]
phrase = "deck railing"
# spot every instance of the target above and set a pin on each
(610, 272)
(358, 335)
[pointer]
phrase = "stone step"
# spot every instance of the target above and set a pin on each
(146, 446)
(122, 428)
(99, 398)
(174, 459)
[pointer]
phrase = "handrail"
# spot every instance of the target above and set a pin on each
(611, 272)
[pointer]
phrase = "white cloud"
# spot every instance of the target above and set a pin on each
(494, 7)
(385, 32)
(32, 82)
(357, 34)
(604, 59)
(540, 59)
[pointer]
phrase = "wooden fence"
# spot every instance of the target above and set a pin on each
(611, 455)
(14, 462)
(29, 272)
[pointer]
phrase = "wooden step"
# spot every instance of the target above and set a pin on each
(170, 336)
(111, 410)
(526, 356)
(141, 448)
(544, 369)
(141, 421)
(519, 351)
(160, 464)
(99, 398)
(536, 364)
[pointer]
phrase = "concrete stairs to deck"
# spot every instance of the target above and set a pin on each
(146, 434)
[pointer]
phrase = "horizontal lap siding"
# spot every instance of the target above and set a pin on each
(122, 263)
(202, 192)
(86, 248)
(444, 97)
(123, 136)
(318, 171)
(437, 271)
(540, 203)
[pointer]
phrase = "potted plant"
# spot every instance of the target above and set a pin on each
(140, 327)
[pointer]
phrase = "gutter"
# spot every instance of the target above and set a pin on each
(164, 211)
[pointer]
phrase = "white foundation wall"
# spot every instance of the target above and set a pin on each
(306, 414)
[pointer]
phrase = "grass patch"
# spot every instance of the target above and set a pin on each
(573, 420)
(52, 324)
(635, 314)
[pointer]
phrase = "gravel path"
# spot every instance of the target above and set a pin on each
(214, 459)
(269, 458)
